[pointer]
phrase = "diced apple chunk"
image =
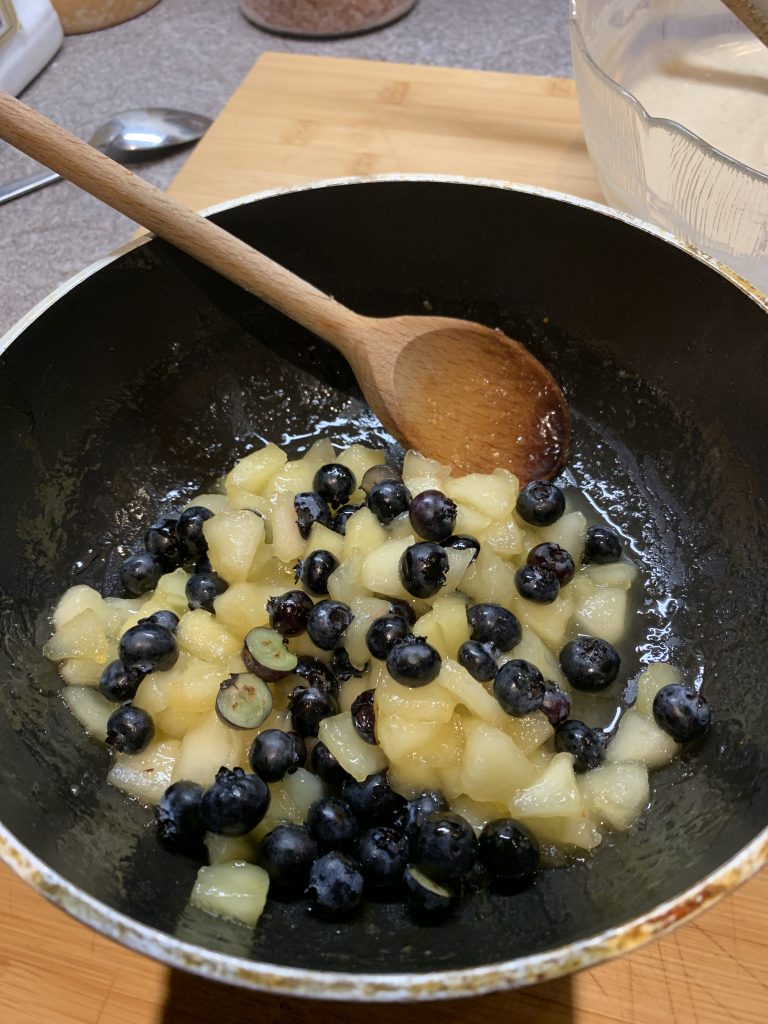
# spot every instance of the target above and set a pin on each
(430, 703)
(444, 748)
(490, 579)
(601, 612)
(243, 606)
(493, 495)
(532, 648)
(90, 708)
(82, 636)
(205, 638)
(76, 600)
(355, 756)
(652, 679)
(554, 794)
(640, 739)
(478, 813)
(472, 694)
(235, 890)
(548, 621)
(399, 737)
(615, 574)
(303, 788)
(422, 474)
(287, 541)
(381, 568)
(364, 533)
(616, 794)
(146, 775)
(409, 779)
(222, 849)
(219, 504)
(493, 765)
(322, 539)
(208, 746)
(234, 541)
(345, 582)
(570, 532)
(253, 472)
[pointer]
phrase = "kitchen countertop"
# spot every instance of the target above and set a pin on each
(193, 54)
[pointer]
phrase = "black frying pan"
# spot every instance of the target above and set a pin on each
(151, 376)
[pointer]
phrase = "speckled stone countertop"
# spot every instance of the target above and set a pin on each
(193, 54)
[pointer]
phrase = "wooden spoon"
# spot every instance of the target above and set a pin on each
(452, 389)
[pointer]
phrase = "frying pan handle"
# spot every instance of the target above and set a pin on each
(131, 195)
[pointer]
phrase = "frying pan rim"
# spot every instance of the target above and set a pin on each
(415, 986)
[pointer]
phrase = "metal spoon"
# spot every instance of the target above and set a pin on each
(132, 135)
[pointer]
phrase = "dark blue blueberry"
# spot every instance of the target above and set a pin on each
(554, 559)
(602, 545)
(342, 517)
(164, 617)
(327, 624)
(310, 508)
(587, 745)
(163, 541)
(288, 613)
(287, 854)
(364, 716)
(373, 801)
(331, 821)
(382, 853)
(509, 853)
(129, 729)
(326, 767)
(589, 663)
(432, 515)
(519, 688)
(334, 483)
(378, 475)
(148, 647)
(556, 704)
(445, 846)
(317, 675)
(682, 712)
(493, 624)
(427, 898)
(314, 570)
(540, 503)
(335, 886)
(118, 684)
(235, 803)
(203, 588)
(423, 568)
(384, 632)
(479, 660)
(463, 542)
(189, 530)
(424, 804)
(536, 584)
(308, 707)
(275, 753)
(388, 499)
(203, 564)
(140, 573)
(178, 814)
(413, 662)
(404, 610)
(342, 667)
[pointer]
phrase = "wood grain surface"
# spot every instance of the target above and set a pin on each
(293, 120)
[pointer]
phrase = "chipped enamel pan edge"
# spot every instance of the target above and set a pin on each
(387, 987)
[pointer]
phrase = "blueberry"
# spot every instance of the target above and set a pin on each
(314, 570)
(463, 542)
(492, 624)
(384, 632)
(203, 564)
(178, 814)
(478, 659)
(433, 515)
(342, 667)
(235, 803)
(118, 684)
(587, 745)
(332, 824)
(275, 753)
(589, 663)
(164, 617)
(554, 559)
(148, 647)
(288, 613)
(602, 545)
(327, 624)
(326, 767)
(425, 803)
(536, 584)
(404, 610)
(140, 573)
(189, 530)
(413, 662)
(308, 707)
(540, 503)
(519, 688)
(334, 483)
(445, 846)
(388, 499)
(682, 712)
(287, 854)
(129, 729)
(316, 674)
(335, 886)
(556, 704)
(342, 517)
(377, 475)
(423, 567)
(310, 508)
(203, 588)
(509, 853)
(426, 897)
(373, 801)
(163, 541)
(364, 716)
(383, 856)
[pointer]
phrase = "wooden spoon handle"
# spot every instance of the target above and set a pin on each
(753, 14)
(131, 195)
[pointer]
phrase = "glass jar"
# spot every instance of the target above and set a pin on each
(324, 18)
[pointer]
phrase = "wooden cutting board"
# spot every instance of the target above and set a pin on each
(296, 119)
